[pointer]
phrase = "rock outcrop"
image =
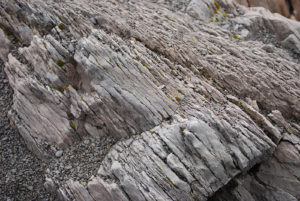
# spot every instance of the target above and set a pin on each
(156, 100)
(287, 8)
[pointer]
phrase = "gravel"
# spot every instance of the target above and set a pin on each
(81, 161)
(21, 173)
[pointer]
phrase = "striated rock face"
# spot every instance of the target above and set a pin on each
(287, 8)
(156, 100)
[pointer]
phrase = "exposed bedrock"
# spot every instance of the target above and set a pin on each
(175, 100)
(287, 8)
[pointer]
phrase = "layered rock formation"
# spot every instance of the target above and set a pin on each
(156, 100)
(288, 8)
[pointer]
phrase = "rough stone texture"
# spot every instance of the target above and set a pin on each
(197, 94)
(290, 8)
(275, 179)
(21, 173)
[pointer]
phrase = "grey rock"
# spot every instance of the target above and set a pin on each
(59, 153)
(49, 185)
(293, 43)
(93, 20)
(178, 104)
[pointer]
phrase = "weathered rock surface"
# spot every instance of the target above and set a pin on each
(196, 93)
(21, 173)
(289, 8)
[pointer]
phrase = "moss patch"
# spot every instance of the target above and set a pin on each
(178, 100)
(60, 63)
(61, 26)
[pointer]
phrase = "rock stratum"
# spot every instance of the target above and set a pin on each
(156, 100)
(288, 8)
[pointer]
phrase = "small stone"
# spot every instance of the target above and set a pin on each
(30, 188)
(268, 48)
(13, 171)
(71, 48)
(68, 167)
(180, 77)
(93, 20)
(86, 141)
(49, 185)
(59, 153)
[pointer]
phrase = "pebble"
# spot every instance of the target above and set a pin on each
(93, 21)
(59, 153)
(179, 77)
(71, 48)
(68, 167)
(13, 171)
(30, 188)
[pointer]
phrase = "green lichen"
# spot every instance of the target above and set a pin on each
(51, 86)
(179, 91)
(61, 26)
(159, 168)
(217, 5)
(145, 65)
(169, 182)
(137, 133)
(72, 125)
(162, 116)
(182, 116)
(236, 37)
(178, 100)
(224, 15)
(204, 73)
(181, 131)
(62, 89)
(60, 63)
